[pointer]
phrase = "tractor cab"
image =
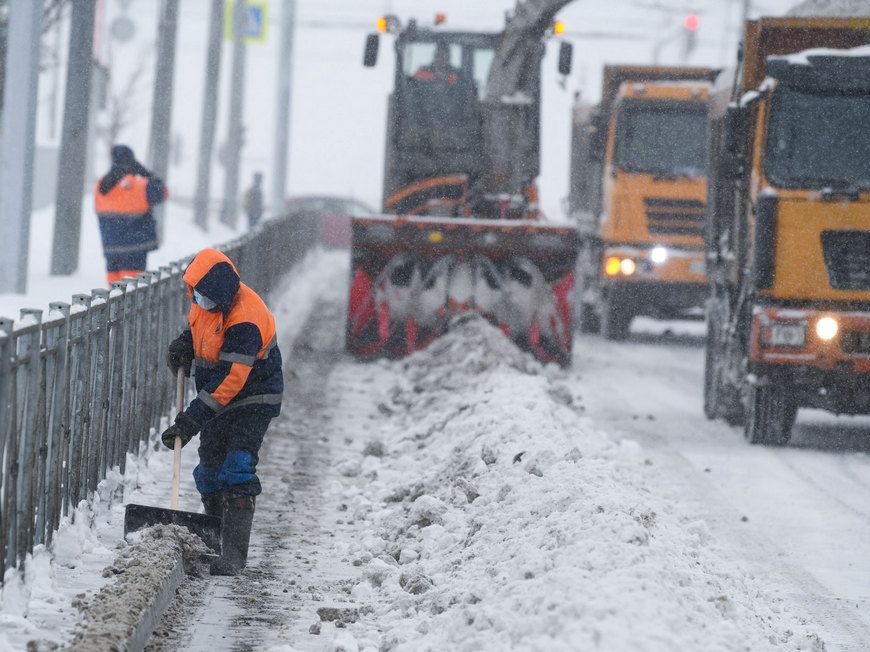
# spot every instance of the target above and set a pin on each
(434, 149)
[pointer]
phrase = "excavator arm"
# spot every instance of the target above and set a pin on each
(511, 121)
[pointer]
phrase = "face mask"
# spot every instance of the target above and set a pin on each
(203, 301)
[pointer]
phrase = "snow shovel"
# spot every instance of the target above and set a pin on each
(207, 528)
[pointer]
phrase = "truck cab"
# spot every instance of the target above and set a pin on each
(655, 187)
(435, 161)
(644, 238)
(789, 241)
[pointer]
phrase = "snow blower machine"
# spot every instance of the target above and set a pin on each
(461, 230)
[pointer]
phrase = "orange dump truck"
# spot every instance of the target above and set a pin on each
(638, 193)
(788, 241)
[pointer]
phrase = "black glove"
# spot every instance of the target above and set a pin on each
(184, 427)
(180, 355)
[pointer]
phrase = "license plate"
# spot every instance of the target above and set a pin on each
(793, 335)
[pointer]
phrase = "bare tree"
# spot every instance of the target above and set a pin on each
(122, 104)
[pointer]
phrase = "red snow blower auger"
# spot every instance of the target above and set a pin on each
(207, 528)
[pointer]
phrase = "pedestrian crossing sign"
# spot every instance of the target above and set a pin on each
(256, 20)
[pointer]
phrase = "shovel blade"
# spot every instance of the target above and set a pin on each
(207, 528)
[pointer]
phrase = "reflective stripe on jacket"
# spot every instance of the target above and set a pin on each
(235, 346)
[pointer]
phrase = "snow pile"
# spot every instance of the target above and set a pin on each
(498, 518)
(806, 57)
(139, 571)
(833, 8)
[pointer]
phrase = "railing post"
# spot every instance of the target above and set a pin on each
(100, 329)
(117, 303)
(28, 446)
(58, 340)
(7, 517)
(149, 364)
(128, 373)
(80, 440)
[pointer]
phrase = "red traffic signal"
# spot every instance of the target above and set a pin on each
(692, 22)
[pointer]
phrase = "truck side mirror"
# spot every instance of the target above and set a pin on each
(732, 139)
(370, 56)
(732, 128)
(566, 56)
(597, 136)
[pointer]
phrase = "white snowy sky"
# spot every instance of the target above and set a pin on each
(339, 106)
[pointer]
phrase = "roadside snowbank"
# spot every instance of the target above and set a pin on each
(500, 519)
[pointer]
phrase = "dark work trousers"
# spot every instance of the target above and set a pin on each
(228, 452)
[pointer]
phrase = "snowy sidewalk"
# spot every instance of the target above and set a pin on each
(42, 606)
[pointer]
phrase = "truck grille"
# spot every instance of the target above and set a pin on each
(856, 342)
(675, 216)
(847, 257)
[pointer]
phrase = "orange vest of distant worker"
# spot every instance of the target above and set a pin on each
(126, 223)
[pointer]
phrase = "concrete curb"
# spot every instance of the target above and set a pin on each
(126, 611)
(152, 614)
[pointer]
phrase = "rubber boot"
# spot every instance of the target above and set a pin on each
(213, 504)
(238, 515)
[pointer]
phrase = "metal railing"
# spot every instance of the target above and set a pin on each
(85, 384)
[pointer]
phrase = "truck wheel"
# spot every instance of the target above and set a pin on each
(588, 321)
(770, 415)
(616, 319)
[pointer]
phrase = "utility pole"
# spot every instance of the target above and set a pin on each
(73, 141)
(209, 114)
(161, 108)
(235, 137)
(17, 140)
(282, 110)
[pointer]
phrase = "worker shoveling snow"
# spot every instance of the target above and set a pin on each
(499, 518)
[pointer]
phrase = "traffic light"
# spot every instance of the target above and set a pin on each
(691, 23)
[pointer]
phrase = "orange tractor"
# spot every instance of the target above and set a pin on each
(461, 230)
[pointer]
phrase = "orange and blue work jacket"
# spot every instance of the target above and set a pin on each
(126, 222)
(237, 360)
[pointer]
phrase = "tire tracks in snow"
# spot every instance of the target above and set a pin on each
(709, 465)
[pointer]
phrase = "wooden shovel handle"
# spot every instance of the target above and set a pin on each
(176, 466)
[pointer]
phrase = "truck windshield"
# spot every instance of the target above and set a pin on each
(470, 62)
(816, 140)
(662, 140)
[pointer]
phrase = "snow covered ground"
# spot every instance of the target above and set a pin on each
(469, 498)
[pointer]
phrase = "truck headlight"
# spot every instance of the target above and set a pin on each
(827, 328)
(658, 255)
(784, 334)
(627, 266)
